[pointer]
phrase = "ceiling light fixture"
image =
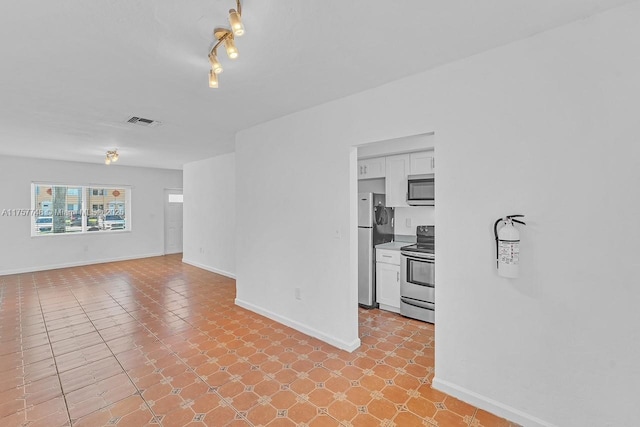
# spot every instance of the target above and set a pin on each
(112, 156)
(227, 37)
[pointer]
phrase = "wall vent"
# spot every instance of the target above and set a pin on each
(143, 122)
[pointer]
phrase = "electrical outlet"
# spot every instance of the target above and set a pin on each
(297, 294)
(407, 222)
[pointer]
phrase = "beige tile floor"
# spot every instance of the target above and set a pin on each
(157, 342)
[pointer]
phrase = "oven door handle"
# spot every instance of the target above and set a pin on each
(422, 284)
(428, 258)
(418, 303)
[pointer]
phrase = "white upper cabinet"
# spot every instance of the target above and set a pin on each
(371, 168)
(421, 163)
(397, 169)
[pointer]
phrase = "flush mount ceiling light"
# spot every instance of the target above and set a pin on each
(227, 37)
(112, 156)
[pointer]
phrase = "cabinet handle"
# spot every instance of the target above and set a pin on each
(365, 169)
(386, 256)
(360, 170)
(397, 276)
(433, 163)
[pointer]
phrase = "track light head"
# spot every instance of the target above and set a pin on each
(216, 66)
(235, 20)
(230, 45)
(213, 79)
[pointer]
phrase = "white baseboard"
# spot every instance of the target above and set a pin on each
(347, 346)
(489, 405)
(76, 264)
(208, 268)
(388, 308)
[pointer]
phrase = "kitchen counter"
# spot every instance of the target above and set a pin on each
(394, 246)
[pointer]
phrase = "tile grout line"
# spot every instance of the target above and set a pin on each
(55, 362)
(24, 389)
(116, 358)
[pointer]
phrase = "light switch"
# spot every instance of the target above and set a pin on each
(407, 222)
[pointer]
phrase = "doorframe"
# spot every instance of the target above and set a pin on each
(165, 202)
(404, 146)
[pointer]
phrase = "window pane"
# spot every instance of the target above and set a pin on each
(176, 198)
(108, 209)
(58, 208)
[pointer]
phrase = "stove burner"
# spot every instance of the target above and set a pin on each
(423, 248)
(426, 240)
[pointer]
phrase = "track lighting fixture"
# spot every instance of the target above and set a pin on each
(227, 37)
(112, 156)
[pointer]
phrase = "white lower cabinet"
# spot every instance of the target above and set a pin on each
(388, 279)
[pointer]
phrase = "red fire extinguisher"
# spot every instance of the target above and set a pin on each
(507, 245)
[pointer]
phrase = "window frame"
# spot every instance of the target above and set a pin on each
(85, 190)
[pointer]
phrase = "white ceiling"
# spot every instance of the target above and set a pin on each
(73, 71)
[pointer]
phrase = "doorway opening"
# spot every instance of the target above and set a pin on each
(383, 170)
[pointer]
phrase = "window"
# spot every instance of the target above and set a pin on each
(175, 198)
(67, 209)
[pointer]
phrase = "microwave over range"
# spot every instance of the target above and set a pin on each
(421, 190)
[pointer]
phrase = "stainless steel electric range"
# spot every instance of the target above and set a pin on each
(417, 276)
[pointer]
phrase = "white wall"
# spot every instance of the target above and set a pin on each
(210, 214)
(19, 252)
(400, 145)
(417, 215)
(546, 127)
(293, 205)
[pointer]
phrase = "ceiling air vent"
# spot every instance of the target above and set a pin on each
(143, 122)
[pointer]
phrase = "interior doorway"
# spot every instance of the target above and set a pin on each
(382, 169)
(173, 201)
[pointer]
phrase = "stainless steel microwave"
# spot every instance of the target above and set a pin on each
(421, 190)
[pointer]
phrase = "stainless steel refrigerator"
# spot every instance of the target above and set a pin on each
(375, 226)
